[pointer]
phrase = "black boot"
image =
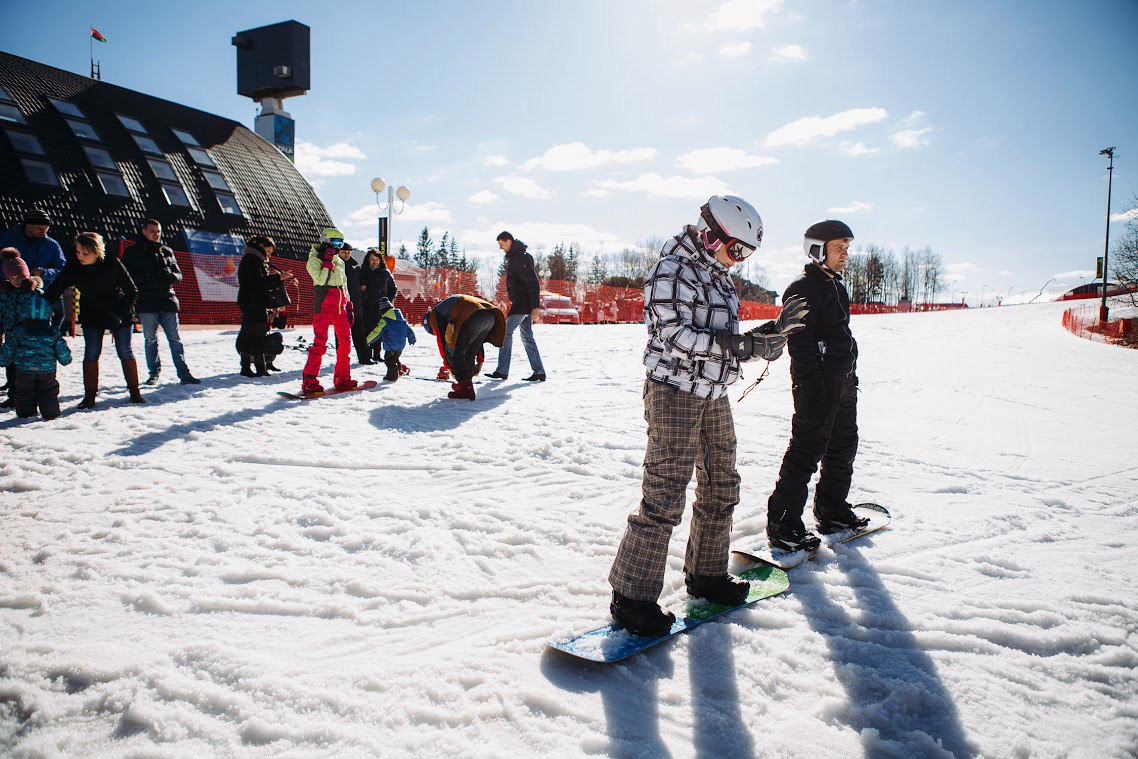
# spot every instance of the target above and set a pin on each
(391, 359)
(259, 366)
(270, 366)
(643, 618)
(719, 589)
(246, 365)
(788, 540)
(843, 521)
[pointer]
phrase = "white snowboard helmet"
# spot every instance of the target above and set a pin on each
(821, 232)
(729, 220)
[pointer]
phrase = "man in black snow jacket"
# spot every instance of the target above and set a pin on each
(155, 271)
(823, 364)
(524, 289)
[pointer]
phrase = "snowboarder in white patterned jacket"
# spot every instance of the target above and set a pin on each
(693, 354)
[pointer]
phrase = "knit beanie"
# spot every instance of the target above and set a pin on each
(36, 216)
(14, 265)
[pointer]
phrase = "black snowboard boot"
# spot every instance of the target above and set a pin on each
(787, 540)
(843, 521)
(643, 618)
(719, 589)
(391, 359)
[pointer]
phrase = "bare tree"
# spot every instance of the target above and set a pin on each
(1123, 263)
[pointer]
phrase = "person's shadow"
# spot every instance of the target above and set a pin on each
(150, 441)
(896, 700)
(629, 694)
(719, 728)
(441, 413)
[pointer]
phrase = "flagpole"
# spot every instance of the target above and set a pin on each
(91, 50)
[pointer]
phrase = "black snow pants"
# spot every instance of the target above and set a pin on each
(464, 361)
(32, 390)
(831, 441)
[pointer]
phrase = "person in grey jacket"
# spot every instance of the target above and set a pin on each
(692, 358)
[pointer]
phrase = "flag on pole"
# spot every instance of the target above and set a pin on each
(95, 35)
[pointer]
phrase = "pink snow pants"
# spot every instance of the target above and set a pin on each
(332, 312)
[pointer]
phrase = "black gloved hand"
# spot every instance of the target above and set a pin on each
(793, 316)
(753, 344)
(810, 402)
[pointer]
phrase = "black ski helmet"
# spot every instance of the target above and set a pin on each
(821, 232)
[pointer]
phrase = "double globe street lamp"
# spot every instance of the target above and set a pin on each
(402, 193)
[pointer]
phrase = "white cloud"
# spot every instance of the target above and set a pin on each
(856, 148)
(365, 216)
(523, 186)
(734, 49)
(699, 188)
(548, 234)
(495, 160)
(741, 15)
(595, 194)
(911, 138)
(576, 155)
(483, 197)
(1068, 276)
(331, 161)
(788, 54)
(690, 59)
(1131, 215)
(808, 129)
(715, 160)
(963, 268)
(854, 207)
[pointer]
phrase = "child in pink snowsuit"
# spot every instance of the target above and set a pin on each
(332, 308)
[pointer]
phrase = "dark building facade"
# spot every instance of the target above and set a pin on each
(101, 158)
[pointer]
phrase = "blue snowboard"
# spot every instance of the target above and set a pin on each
(611, 643)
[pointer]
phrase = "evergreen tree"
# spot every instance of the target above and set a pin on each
(424, 255)
(403, 253)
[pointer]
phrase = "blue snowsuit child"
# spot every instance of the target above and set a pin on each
(32, 348)
(395, 333)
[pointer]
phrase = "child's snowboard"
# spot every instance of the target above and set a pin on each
(611, 643)
(760, 550)
(302, 397)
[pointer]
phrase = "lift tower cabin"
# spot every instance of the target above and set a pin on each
(273, 63)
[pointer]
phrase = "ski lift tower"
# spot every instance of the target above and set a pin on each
(273, 64)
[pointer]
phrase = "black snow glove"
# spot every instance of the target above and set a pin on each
(753, 344)
(793, 316)
(810, 402)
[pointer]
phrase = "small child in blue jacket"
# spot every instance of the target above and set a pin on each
(395, 333)
(32, 347)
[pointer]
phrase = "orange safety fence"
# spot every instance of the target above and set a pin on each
(208, 294)
(1084, 322)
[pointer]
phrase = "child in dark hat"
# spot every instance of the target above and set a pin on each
(32, 347)
(395, 333)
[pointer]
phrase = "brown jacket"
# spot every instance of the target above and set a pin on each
(461, 307)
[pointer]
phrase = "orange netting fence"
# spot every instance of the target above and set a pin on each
(1084, 321)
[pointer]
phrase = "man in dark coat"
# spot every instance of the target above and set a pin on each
(155, 271)
(524, 289)
(823, 364)
(41, 253)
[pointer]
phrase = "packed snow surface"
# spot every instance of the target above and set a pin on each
(224, 572)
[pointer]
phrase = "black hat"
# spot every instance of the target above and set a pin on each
(36, 216)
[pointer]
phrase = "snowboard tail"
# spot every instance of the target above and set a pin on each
(759, 550)
(612, 643)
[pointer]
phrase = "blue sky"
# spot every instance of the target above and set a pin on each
(971, 127)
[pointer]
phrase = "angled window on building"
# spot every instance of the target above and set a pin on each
(40, 172)
(9, 112)
(113, 184)
(228, 204)
(186, 137)
(4, 93)
(23, 142)
(175, 195)
(99, 157)
(201, 158)
(132, 124)
(146, 144)
(83, 129)
(162, 169)
(67, 109)
(216, 181)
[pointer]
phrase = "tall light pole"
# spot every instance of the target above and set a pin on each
(1103, 312)
(378, 185)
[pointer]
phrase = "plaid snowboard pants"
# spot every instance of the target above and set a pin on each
(685, 432)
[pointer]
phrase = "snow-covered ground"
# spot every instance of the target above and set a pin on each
(223, 572)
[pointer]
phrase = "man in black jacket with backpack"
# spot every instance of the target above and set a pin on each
(823, 364)
(155, 271)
